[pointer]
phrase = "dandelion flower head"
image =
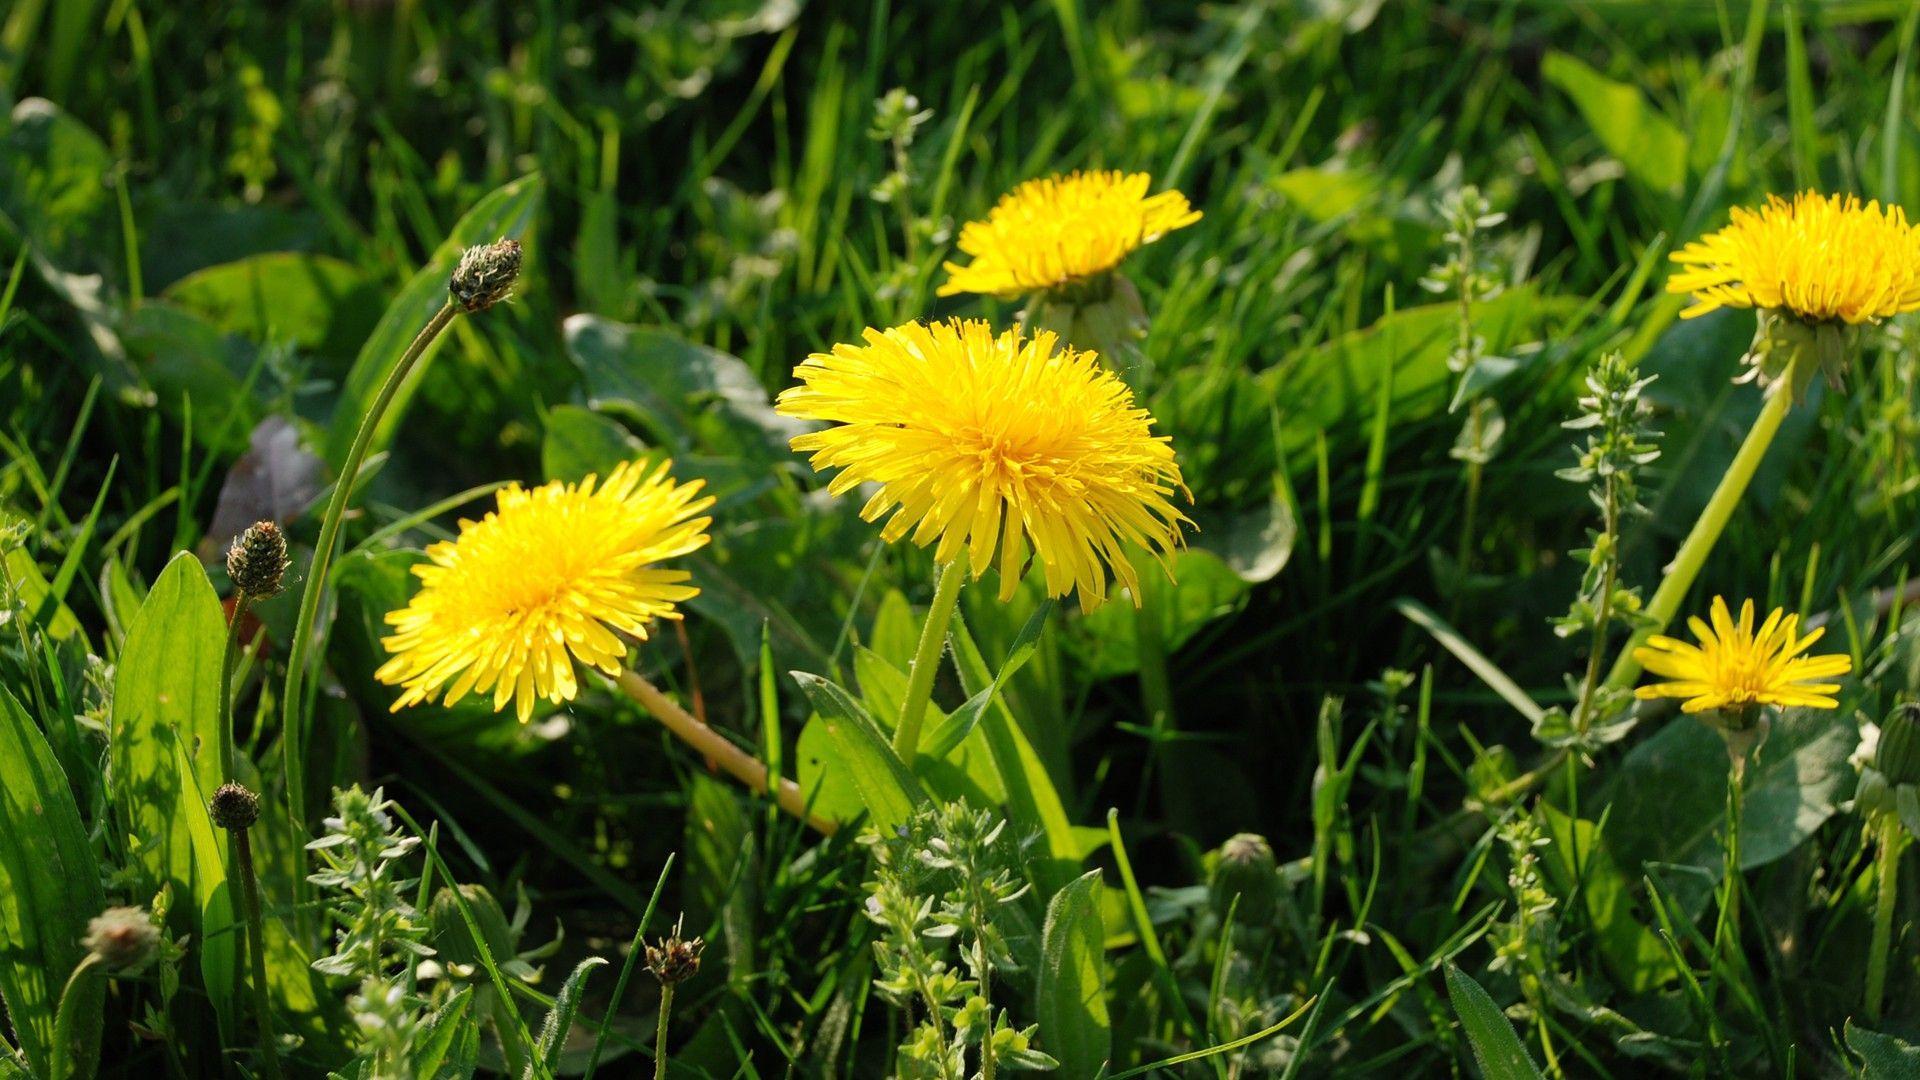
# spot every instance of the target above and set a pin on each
(988, 447)
(1821, 258)
(1736, 668)
(1063, 230)
(545, 579)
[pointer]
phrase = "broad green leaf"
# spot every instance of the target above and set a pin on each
(1635, 956)
(49, 888)
(1033, 803)
(218, 937)
(166, 686)
(887, 790)
(953, 761)
(1207, 589)
(1495, 1046)
(23, 576)
(1668, 796)
(896, 633)
(719, 884)
(317, 302)
(53, 200)
(1072, 995)
(1339, 382)
(507, 212)
(1883, 1057)
(1323, 194)
(580, 441)
(1651, 147)
(689, 396)
(198, 374)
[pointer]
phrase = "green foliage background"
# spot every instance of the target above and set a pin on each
(219, 222)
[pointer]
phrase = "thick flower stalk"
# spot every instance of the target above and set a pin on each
(1815, 269)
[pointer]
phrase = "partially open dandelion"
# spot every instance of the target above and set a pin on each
(1819, 258)
(988, 447)
(546, 579)
(1816, 268)
(1735, 668)
(1063, 231)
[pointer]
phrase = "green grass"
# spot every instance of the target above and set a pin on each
(205, 216)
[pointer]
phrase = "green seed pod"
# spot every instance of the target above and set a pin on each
(1244, 867)
(451, 937)
(1898, 755)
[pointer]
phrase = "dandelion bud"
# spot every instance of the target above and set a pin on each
(234, 807)
(123, 938)
(257, 561)
(1245, 869)
(452, 938)
(675, 960)
(1898, 755)
(485, 275)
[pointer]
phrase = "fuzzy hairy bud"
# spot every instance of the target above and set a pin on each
(123, 938)
(485, 275)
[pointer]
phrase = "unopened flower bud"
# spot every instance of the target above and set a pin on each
(1898, 754)
(485, 275)
(453, 939)
(257, 561)
(1245, 869)
(123, 938)
(234, 807)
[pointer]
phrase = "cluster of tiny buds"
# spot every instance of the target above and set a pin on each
(234, 807)
(675, 960)
(485, 275)
(257, 561)
(122, 939)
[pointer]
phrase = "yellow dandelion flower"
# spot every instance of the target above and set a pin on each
(1737, 668)
(1061, 231)
(1822, 258)
(543, 580)
(991, 446)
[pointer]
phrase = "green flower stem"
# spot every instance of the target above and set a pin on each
(292, 736)
(1726, 931)
(240, 603)
(926, 660)
(660, 1036)
(256, 952)
(1706, 531)
(61, 1058)
(1892, 840)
